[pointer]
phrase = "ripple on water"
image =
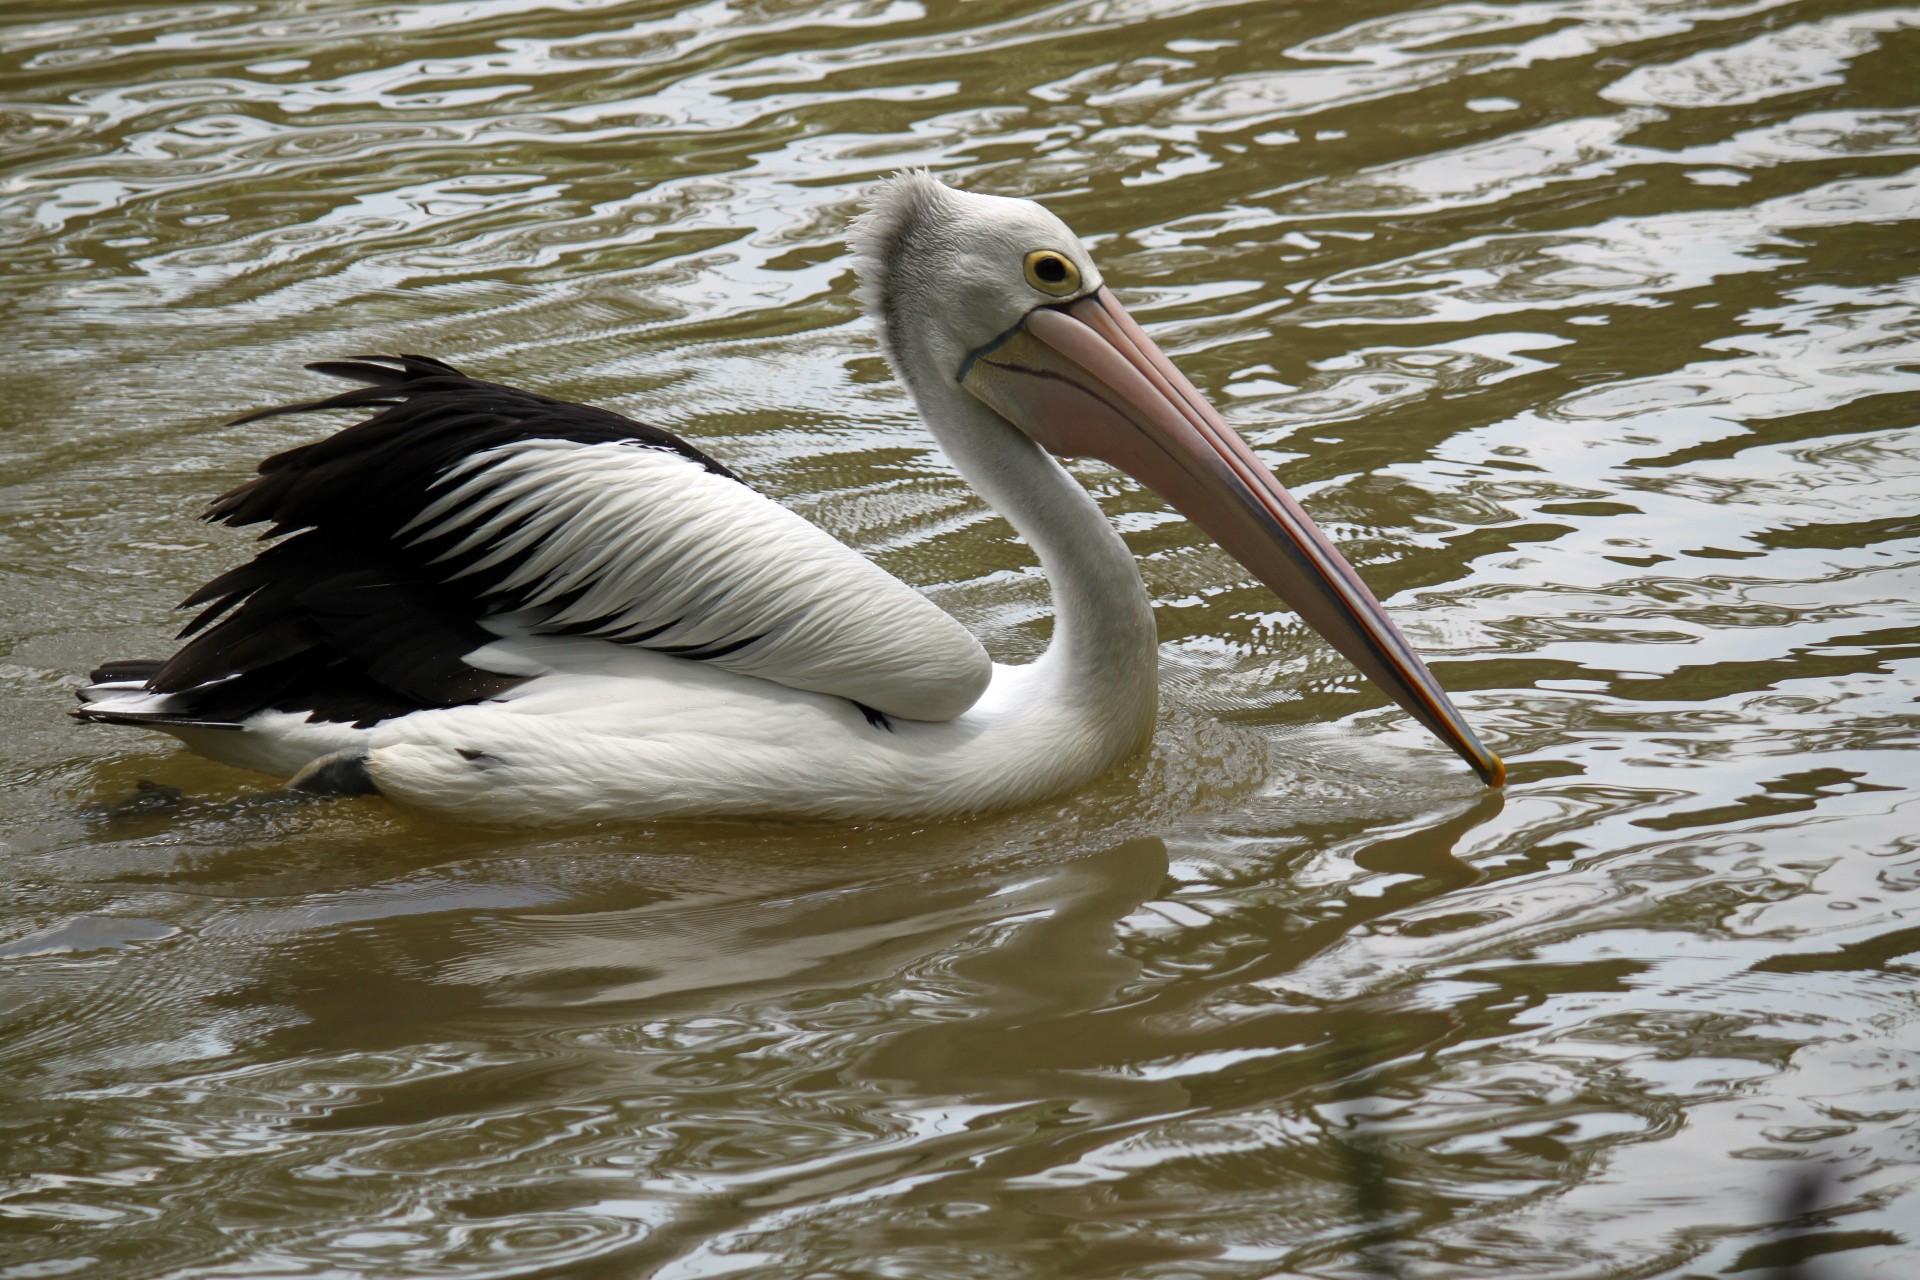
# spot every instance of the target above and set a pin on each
(1586, 328)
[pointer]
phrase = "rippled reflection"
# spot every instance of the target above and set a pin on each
(1586, 326)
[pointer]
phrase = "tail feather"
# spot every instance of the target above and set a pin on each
(98, 715)
(118, 693)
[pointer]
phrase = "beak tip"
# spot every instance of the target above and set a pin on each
(1494, 771)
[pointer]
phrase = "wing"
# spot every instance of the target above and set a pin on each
(464, 510)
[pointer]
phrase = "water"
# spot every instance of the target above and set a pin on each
(1588, 327)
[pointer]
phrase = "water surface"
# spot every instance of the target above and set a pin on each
(1587, 327)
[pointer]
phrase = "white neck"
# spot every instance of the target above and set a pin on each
(1102, 664)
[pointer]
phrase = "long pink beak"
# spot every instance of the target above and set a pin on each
(1084, 380)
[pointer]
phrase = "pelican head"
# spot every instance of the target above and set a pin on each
(998, 299)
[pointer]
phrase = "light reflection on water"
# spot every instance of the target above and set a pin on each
(1587, 327)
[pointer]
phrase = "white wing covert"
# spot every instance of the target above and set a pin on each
(642, 545)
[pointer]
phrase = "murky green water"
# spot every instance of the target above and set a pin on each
(1589, 327)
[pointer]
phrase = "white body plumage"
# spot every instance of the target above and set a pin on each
(610, 734)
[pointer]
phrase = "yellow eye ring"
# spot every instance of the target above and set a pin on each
(1052, 273)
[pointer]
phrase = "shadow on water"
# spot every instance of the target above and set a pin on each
(1799, 1240)
(1046, 1050)
(1793, 1252)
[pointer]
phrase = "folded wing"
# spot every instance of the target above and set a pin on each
(464, 510)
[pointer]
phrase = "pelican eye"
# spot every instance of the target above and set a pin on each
(1052, 272)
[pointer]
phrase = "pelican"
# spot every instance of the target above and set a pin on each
(504, 608)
